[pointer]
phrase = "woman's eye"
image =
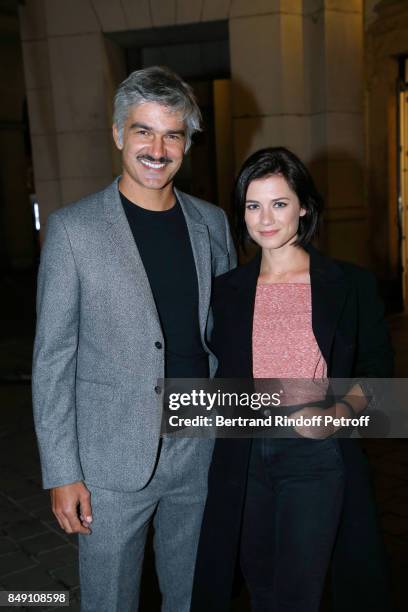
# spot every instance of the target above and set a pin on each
(251, 206)
(279, 204)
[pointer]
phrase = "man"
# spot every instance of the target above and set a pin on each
(123, 299)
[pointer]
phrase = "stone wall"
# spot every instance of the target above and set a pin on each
(16, 227)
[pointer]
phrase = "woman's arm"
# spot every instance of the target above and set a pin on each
(374, 359)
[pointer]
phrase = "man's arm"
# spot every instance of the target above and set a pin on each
(54, 371)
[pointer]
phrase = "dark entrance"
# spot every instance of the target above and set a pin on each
(199, 53)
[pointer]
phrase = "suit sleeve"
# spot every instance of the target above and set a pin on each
(54, 360)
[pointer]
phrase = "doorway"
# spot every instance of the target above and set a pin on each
(199, 53)
(403, 177)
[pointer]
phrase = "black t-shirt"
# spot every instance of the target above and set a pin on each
(165, 249)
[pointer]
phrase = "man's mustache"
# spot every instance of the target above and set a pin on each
(159, 160)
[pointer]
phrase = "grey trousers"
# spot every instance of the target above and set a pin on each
(110, 559)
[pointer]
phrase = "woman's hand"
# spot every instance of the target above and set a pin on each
(313, 427)
(313, 417)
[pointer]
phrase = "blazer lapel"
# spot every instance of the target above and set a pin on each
(119, 232)
(200, 244)
(329, 290)
(243, 283)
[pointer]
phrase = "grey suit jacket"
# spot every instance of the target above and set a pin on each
(97, 412)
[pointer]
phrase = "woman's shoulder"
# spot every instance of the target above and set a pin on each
(246, 274)
(356, 273)
(239, 276)
(224, 284)
(362, 281)
(224, 279)
(333, 267)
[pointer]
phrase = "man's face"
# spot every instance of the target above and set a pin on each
(153, 144)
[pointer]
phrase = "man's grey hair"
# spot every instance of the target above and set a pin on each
(157, 84)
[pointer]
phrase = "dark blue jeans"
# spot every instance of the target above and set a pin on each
(291, 515)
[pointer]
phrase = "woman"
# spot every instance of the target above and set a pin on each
(285, 506)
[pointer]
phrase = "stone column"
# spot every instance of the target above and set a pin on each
(334, 38)
(69, 80)
(40, 106)
(270, 105)
(297, 82)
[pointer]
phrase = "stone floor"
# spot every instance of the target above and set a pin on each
(35, 554)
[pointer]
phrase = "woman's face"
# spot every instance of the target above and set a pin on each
(272, 212)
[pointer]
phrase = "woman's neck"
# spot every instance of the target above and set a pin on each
(290, 264)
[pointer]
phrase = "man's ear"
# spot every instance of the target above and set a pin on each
(116, 137)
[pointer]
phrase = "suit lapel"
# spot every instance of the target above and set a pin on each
(200, 244)
(119, 232)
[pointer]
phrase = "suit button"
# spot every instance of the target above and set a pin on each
(157, 389)
(158, 345)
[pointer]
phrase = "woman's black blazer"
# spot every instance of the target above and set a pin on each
(349, 327)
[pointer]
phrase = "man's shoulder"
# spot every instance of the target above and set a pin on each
(206, 209)
(87, 208)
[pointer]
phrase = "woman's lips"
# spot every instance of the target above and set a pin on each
(269, 232)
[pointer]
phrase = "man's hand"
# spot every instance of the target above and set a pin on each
(71, 505)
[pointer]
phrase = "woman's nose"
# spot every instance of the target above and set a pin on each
(266, 216)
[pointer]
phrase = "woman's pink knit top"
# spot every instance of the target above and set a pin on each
(283, 343)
